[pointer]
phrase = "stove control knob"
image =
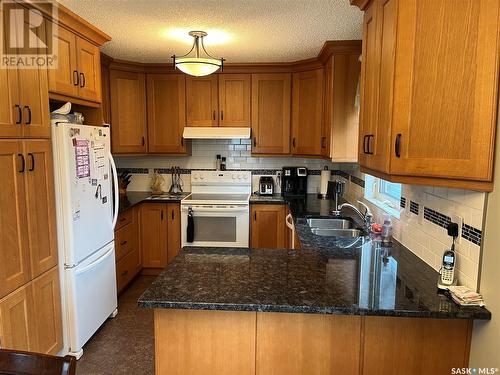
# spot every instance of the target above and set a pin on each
(201, 177)
(239, 177)
(245, 177)
(234, 177)
(196, 176)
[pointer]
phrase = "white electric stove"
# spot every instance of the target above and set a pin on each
(220, 209)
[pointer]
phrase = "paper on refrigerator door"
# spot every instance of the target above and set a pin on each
(82, 157)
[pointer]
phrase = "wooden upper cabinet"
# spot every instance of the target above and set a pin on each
(78, 73)
(202, 101)
(307, 112)
(268, 229)
(271, 97)
(446, 89)
(166, 103)
(64, 79)
(429, 91)
(174, 230)
(47, 313)
(89, 70)
(128, 112)
(14, 254)
(10, 107)
(341, 110)
(41, 217)
(234, 100)
(33, 96)
(154, 236)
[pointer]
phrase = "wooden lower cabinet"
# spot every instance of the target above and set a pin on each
(127, 248)
(160, 233)
(17, 329)
(30, 317)
(47, 312)
(267, 226)
(263, 343)
(127, 268)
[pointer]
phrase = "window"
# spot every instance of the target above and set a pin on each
(383, 194)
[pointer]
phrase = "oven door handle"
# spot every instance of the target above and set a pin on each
(216, 209)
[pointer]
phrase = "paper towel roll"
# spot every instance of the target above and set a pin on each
(325, 177)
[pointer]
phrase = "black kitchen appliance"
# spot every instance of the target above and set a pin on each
(294, 182)
(266, 185)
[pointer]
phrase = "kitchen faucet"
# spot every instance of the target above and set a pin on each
(366, 217)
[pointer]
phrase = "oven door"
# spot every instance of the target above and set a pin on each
(216, 225)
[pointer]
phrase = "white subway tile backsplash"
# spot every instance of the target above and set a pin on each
(425, 238)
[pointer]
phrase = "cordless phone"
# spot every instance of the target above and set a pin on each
(447, 272)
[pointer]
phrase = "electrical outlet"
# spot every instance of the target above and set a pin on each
(455, 218)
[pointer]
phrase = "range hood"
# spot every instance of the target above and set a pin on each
(216, 133)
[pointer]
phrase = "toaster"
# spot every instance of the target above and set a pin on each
(266, 185)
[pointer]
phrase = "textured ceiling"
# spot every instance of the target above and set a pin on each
(239, 30)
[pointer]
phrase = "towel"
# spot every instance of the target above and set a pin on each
(190, 226)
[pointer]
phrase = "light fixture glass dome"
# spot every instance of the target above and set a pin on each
(197, 65)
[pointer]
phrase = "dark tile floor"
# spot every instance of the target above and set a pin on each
(125, 344)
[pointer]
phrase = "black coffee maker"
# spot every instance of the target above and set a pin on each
(294, 182)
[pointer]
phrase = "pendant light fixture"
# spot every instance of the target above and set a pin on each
(198, 65)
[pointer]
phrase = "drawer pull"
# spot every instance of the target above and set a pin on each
(124, 273)
(123, 243)
(122, 219)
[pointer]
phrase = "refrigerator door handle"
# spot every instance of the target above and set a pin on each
(95, 262)
(115, 186)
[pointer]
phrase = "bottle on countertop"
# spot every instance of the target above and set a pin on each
(387, 229)
(223, 164)
(217, 163)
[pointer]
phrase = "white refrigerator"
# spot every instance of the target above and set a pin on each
(87, 208)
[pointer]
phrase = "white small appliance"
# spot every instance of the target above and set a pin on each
(217, 212)
(87, 209)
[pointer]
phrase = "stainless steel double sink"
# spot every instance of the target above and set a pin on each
(334, 227)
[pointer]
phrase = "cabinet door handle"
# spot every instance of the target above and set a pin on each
(124, 273)
(364, 144)
(323, 142)
(222, 115)
(76, 78)
(369, 138)
(397, 146)
(23, 163)
(293, 142)
(123, 219)
(161, 215)
(255, 215)
(19, 114)
(214, 115)
(143, 140)
(182, 141)
(123, 243)
(82, 83)
(254, 142)
(173, 215)
(32, 157)
(28, 122)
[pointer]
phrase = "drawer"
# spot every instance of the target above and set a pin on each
(125, 240)
(127, 268)
(125, 218)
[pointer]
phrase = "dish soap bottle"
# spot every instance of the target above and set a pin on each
(387, 230)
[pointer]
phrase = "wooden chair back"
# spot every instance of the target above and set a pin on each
(14, 362)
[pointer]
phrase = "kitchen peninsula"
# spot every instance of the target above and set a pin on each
(347, 306)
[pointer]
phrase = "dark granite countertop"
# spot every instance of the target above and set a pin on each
(266, 199)
(133, 198)
(327, 276)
